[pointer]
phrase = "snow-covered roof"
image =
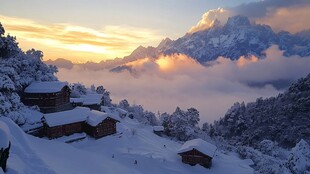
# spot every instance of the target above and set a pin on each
(200, 145)
(45, 87)
(78, 114)
(121, 111)
(105, 109)
(91, 99)
(110, 110)
(76, 100)
(158, 128)
(4, 135)
(96, 117)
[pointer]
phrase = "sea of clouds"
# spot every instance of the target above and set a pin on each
(164, 83)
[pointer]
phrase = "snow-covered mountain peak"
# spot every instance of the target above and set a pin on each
(238, 37)
(216, 23)
(164, 43)
(237, 21)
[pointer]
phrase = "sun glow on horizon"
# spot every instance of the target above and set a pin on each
(77, 43)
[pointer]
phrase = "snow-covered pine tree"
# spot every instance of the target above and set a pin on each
(77, 90)
(106, 100)
(283, 119)
(17, 70)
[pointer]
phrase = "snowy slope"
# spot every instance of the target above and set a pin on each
(112, 154)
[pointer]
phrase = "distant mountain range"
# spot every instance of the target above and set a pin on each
(238, 37)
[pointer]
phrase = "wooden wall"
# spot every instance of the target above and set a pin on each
(194, 157)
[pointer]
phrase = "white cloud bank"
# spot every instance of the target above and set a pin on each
(177, 80)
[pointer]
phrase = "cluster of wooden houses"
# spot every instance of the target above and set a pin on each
(65, 116)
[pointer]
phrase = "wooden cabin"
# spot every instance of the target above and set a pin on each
(197, 151)
(100, 124)
(92, 101)
(65, 123)
(158, 130)
(49, 96)
(81, 119)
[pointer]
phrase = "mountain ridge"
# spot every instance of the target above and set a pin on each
(238, 37)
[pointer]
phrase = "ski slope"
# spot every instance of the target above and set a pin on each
(109, 155)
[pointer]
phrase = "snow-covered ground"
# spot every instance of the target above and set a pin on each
(112, 154)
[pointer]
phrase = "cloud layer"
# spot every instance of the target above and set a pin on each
(178, 80)
(71, 41)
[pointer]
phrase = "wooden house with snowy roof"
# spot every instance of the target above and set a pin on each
(92, 101)
(197, 151)
(81, 119)
(158, 130)
(99, 124)
(63, 123)
(53, 96)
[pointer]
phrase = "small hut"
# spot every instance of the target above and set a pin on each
(158, 130)
(49, 96)
(121, 112)
(197, 151)
(99, 124)
(65, 123)
(92, 101)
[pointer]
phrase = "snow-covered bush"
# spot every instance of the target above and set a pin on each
(299, 158)
(138, 112)
(77, 90)
(150, 118)
(271, 148)
(124, 104)
(263, 163)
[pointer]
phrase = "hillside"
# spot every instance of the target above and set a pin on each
(283, 119)
(112, 154)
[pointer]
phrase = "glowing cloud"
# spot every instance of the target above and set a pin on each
(242, 61)
(166, 64)
(292, 19)
(208, 19)
(76, 42)
(177, 80)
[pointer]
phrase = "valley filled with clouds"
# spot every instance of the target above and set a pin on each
(163, 83)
